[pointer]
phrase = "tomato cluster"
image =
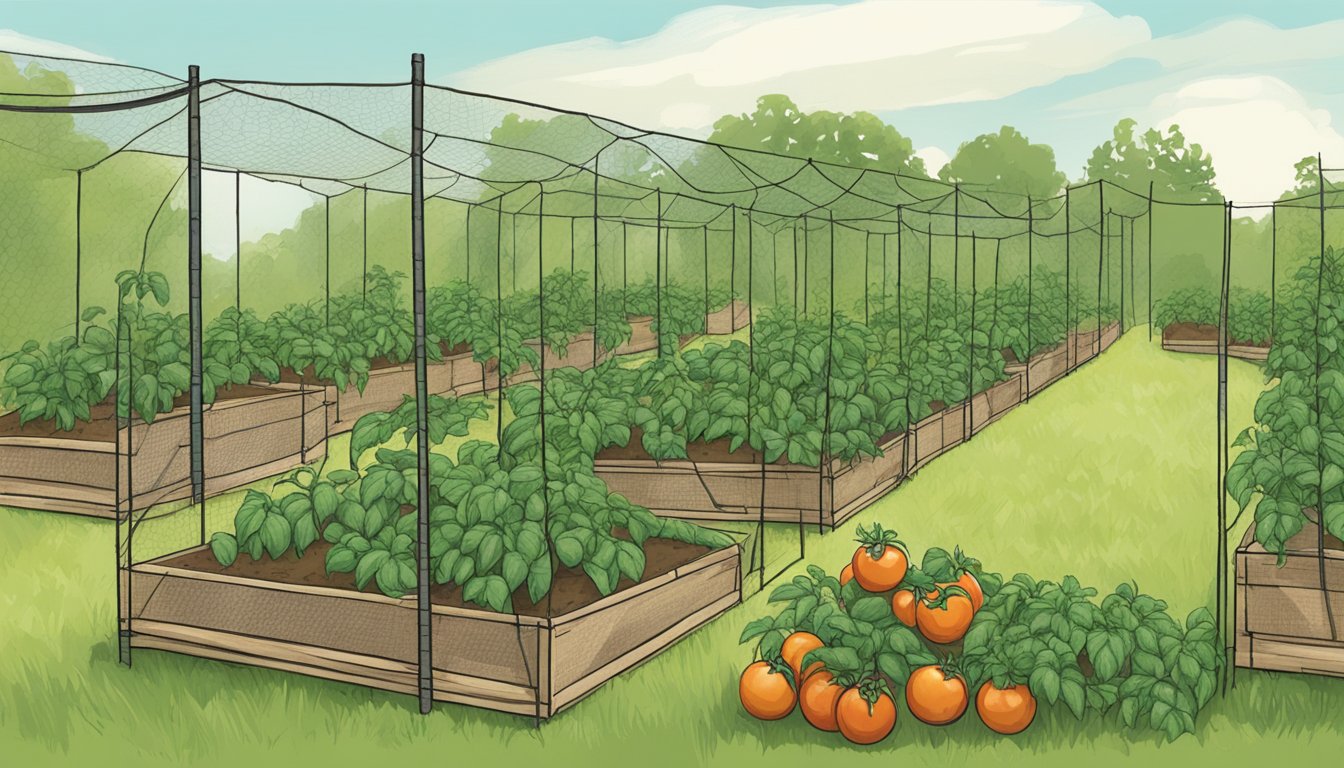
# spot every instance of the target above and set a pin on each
(840, 672)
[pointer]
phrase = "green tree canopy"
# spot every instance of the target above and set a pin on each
(860, 139)
(1177, 170)
(1006, 162)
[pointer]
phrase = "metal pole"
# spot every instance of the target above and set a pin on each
(194, 290)
(425, 658)
(1150, 261)
(238, 241)
(1220, 581)
(1031, 237)
(79, 241)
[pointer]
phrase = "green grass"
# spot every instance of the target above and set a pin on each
(1109, 475)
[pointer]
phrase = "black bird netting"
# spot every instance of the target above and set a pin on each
(514, 397)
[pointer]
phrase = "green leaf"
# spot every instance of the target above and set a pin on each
(539, 579)
(514, 570)
(275, 535)
(225, 548)
(369, 565)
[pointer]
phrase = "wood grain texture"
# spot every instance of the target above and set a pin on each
(523, 665)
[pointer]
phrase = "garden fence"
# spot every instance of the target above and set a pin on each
(736, 348)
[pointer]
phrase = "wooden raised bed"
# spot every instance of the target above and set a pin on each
(733, 317)
(716, 485)
(1282, 623)
(1203, 340)
(519, 663)
(250, 433)
(389, 384)
(719, 487)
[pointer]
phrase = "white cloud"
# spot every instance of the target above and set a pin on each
(874, 55)
(17, 42)
(266, 206)
(934, 159)
(1255, 127)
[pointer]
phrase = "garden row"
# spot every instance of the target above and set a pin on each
(546, 583)
(1189, 321)
(1289, 587)
(275, 390)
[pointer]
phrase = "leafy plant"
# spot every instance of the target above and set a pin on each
(1292, 465)
(1124, 654)
(62, 382)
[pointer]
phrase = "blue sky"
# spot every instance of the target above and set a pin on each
(1259, 83)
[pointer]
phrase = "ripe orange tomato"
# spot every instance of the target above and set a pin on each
(883, 573)
(1005, 710)
(903, 605)
(796, 646)
(765, 693)
(947, 623)
(968, 582)
(817, 699)
(861, 723)
(935, 698)
(846, 574)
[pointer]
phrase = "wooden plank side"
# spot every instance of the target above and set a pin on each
(596, 647)
(1293, 612)
(580, 688)
(1284, 655)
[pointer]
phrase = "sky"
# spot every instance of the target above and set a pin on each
(1258, 84)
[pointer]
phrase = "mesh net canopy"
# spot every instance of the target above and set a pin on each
(299, 334)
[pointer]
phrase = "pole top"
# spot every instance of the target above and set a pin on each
(193, 73)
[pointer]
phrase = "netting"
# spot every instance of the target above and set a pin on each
(506, 398)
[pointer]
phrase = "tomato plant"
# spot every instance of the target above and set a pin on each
(1030, 639)
(61, 382)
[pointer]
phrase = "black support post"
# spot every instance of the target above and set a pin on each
(425, 657)
(194, 290)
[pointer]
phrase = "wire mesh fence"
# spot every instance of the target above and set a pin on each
(486, 402)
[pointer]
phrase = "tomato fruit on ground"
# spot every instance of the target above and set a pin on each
(1005, 710)
(968, 582)
(935, 698)
(817, 698)
(861, 723)
(796, 646)
(903, 605)
(881, 573)
(846, 574)
(946, 623)
(765, 691)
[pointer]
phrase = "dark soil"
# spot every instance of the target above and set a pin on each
(700, 451)
(935, 406)
(102, 426)
(571, 588)
(1194, 332)
(288, 376)
(1009, 357)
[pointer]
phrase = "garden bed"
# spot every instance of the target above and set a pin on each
(715, 484)
(730, 319)
(264, 614)
(1203, 340)
(250, 432)
(1281, 618)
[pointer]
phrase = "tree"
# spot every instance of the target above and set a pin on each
(1006, 162)
(1177, 171)
(859, 140)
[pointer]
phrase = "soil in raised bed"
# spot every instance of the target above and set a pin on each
(1199, 332)
(571, 588)
(381, 363)
(102, 427)
(700, 451)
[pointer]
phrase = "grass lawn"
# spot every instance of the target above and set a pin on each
(1109, 476)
